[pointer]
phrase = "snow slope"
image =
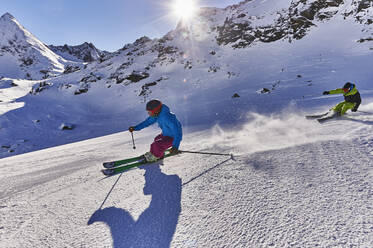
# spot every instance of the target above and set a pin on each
(292, 183)
(285, 189)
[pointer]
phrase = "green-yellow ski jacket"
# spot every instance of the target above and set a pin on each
(351, 96)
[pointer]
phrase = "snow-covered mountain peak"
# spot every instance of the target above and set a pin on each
(6, 16)
(9, 26)
(22, 55)
(12, 31)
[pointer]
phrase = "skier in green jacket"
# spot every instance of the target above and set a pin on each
(352, 99)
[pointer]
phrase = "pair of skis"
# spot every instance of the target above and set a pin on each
(119, 166)
(322, 117)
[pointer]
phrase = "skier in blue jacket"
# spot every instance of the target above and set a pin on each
(171, 130)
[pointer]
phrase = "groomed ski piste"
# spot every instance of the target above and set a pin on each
(292, 182)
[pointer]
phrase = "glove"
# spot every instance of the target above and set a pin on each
(325, 93)
(174, 150)
(131, 129)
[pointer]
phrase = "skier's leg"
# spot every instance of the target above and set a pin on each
(347, 106)
(160, 145)
(338, 108)
(150, 156)
(356, 106)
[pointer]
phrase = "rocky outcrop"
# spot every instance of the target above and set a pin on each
(240, 30)
(85, 52)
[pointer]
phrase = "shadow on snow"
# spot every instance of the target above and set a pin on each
(156, 226)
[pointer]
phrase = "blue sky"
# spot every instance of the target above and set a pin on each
(108, 24)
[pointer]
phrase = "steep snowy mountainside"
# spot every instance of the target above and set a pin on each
(361, 10)
(85, 52)
(265, 21)
(23, 56)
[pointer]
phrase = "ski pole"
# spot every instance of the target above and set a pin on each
(133, 141)
(209, 153)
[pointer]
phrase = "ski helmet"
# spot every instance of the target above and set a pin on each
(153, 106)
(348, 87)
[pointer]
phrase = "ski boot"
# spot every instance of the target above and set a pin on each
(150, 158)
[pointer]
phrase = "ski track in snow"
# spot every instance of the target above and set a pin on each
(312, 193)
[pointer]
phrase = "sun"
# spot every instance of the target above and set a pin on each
(184, 9)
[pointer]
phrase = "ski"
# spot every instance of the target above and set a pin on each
(121, 162)
(120, 169)
(117, 163)
(323, 119)
(316, 116)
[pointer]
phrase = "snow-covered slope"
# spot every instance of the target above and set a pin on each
(22, 55)
(293, 183)
(238, 86)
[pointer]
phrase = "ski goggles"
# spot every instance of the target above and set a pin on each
(155, 110)
(348, 89)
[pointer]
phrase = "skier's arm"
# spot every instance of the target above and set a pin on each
(149, 121)
(175, 126)
(336, 91)
(178, 137)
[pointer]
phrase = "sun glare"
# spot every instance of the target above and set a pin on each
(184, 9)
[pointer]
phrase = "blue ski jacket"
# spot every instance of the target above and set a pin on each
(169, 124)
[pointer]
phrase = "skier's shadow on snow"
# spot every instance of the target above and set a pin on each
(156, 226)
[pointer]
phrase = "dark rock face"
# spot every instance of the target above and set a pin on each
(40, 87)
(145, 89)
(81, 91)
(91, 78)
(137, 76)
(292, 23)
(27, 61)
(265, 90)
(85, 52)
(67, 126)
(360, 11)
(134, 77)
(366, 39)
(362, 5)
(313, 12)
(71, 69)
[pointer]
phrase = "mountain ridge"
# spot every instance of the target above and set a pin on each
(85, 52)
